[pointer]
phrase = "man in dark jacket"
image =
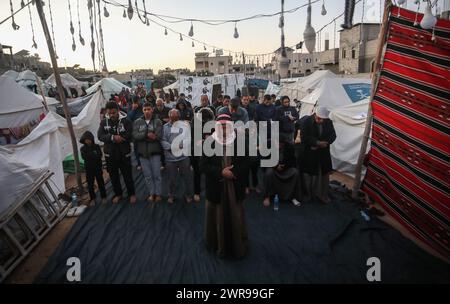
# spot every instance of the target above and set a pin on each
(236, 112)
(115, 131)
(286, 116)
(186, 113)
(92, 156)
(204, 103)
(225, 227)
(147, 133)
(317, 137)
(161, 111)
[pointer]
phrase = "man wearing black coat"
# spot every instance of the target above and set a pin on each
(317, 136)
(116, 132)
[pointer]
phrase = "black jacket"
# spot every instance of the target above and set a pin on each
(212, 168)
(313, 158)
(108, 128)
(281, 115)
(91, 154)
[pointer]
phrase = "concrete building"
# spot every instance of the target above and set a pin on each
(216, 65)
(357, 48)
(22, 60)
(174, 72)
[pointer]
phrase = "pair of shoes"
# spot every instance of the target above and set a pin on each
(296, 202)
(266, 202)
(151, 198)
(116, 199)
(133, 199)
(196, 198)
(170, 199)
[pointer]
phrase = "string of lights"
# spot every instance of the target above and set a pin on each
(213, 22)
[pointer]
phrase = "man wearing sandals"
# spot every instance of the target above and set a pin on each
(115, 131)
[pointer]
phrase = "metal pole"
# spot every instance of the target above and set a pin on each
(44, 101)
(375, 74)
(61, 93)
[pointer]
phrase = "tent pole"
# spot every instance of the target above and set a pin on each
(375, 77)
(61, 93)
(44, 101)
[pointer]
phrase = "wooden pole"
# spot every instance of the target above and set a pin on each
(61, 93)
(375, 76)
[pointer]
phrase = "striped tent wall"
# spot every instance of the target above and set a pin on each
(409, 162)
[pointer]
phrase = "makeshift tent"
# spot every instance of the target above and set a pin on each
(109, 86)
(272, 89)
(69, 164)
(46, 147)
(305, 85)
(68, 81)
(409, 165)
(173, 86)
(18, 106)
(194, 87)
(11, 74)
(347, 100)
(75, 106)
(27, 79)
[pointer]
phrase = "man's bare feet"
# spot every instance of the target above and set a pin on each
(196, 198)
(158, 198)
(170, 199)
(116, 199)
(188, 199)
(266, 202)
(133, 199)
(151, 198)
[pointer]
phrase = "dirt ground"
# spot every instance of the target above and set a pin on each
(28, 270)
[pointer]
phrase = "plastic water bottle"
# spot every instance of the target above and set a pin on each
(276, 203)
(365, 216)
(74, 199)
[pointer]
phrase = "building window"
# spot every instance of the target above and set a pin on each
(353, 53)
(344, 53)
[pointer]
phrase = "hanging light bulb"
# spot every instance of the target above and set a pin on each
(181, 37)
(324, 10)
(191, 30)
(236, 34)
(81, 40)
(130, 10)
(147, 22)
(15, 26)
(74, 46)
(193, 44)
(428, 20)
(34, 44)
(105, 12)
(124, 13)
(22, 4)
(165, 32)
(72, 30)
(309, 35)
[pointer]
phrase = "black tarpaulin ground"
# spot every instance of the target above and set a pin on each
(314, 243)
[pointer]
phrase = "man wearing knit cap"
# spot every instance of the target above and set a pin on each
(225, 227)
(317, 136)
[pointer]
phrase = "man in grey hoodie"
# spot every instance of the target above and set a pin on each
(177, 164)
(147, 133)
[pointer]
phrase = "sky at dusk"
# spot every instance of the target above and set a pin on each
(129, 44)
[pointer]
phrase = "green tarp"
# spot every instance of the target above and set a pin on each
(69, 164)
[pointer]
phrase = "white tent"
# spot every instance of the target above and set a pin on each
(272, 89)
(19, 106)
(44, 149)
(173, 86)
(305, 85)
(347, 99)
(68, 81)
(109, 86)
(11, 74)
(27, 78)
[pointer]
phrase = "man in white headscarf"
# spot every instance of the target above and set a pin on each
(317, 136)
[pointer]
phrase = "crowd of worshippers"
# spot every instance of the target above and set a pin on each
(140, 123)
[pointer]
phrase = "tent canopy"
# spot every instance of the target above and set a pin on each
(109, 86)
(18, 106)
(67, 80)
(305, 85)
(11, 74)
(173, 86)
